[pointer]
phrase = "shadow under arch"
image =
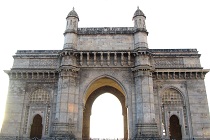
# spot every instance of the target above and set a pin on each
(88, 106)
(104, 80)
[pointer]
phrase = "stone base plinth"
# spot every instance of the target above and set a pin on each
(147, 131)
(63, 131)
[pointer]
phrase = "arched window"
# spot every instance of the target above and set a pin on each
(40, 96)
(36, 127)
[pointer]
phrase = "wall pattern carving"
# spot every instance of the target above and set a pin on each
(108, 30)
(169, 62)
(172, 101)
(43, 63)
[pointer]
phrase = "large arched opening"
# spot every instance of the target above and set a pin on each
(99, 87)
(106, 120)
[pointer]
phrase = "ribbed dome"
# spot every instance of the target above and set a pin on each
(138, 13)
(73, 14)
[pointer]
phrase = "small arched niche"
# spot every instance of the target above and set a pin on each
(175, 128)
(174, 114)
(36, 127)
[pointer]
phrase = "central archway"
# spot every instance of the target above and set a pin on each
(88, 107)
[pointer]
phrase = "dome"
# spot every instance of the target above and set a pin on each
(138, 13)
(73, 14)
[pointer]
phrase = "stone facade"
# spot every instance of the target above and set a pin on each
(153, 85)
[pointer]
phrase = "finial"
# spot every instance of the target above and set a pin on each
(73, 8)
(137, 7)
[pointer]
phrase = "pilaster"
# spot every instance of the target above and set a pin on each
(146, 126)
(66, 116)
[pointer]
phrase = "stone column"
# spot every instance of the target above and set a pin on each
(146, 126)
(86, 122)
(125, 117)
(67, 105)
(65, 123)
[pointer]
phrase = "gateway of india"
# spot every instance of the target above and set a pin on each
(161, 91)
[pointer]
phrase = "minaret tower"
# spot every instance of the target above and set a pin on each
(70, 33)
(146, 126)
(140, 35)
(67, 102)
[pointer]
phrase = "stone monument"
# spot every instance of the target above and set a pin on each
(162, 91)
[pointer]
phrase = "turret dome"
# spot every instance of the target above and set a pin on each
(73, 13)
(138, 13)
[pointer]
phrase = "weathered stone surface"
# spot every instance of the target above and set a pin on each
(152, 85)
(105, 42)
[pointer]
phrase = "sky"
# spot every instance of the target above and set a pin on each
(110, 113)
(40, 24)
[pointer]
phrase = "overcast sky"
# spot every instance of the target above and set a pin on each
(39, 25)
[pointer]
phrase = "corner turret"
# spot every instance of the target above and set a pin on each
(139, 19)
(140, 35)
(70, 33)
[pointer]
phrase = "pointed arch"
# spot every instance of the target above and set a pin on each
(175, 128)
(173, 89)
(88, 106)
(104, 80)
(98, 86)
(173, 103)
(36, 127)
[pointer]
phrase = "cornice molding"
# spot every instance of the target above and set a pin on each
(179, 74)
(32, 74)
